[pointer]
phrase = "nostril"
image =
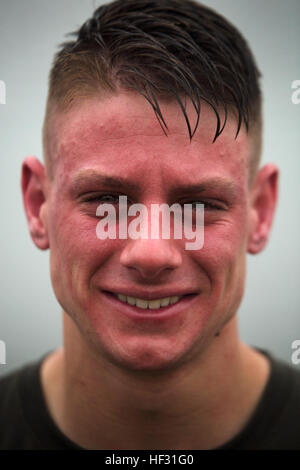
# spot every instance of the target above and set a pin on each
(150, 257)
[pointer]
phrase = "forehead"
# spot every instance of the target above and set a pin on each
(120, 133)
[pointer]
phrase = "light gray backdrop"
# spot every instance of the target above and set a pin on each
(30, 317)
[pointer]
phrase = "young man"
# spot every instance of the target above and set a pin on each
(158, 101)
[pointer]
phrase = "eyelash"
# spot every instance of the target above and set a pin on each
(92, 199)
(209, 205)
(97, 198)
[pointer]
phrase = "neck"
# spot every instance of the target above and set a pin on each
(200, 404)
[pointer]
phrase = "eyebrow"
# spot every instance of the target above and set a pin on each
(92, 177)
(223, 185)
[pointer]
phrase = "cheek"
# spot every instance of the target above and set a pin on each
(223, 255)
(223, 261)
(75, 252)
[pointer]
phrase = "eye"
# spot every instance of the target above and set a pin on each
(101, 198)
(208, 205)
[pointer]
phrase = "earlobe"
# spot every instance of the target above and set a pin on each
(34, 200)
(262, 207)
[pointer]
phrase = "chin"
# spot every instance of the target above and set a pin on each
(150, 356)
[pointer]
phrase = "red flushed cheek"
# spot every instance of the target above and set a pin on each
(77, 253)
(223, 253)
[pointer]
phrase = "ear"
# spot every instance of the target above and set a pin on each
(33, 185)
(263, 199)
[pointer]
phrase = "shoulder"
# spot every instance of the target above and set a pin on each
(283, 405)
(285, 377)
(14, 387)
(288, 380)
(11, 415)
(9, 390)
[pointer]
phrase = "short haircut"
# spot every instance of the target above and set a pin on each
(162, 49)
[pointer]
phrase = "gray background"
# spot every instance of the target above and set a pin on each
(30, 317)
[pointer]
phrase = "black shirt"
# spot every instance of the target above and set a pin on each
(25, 422)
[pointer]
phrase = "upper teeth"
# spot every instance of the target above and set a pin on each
(152, 304)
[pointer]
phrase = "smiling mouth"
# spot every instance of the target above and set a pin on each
(148, 304)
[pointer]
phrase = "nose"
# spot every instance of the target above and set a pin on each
(150, 258)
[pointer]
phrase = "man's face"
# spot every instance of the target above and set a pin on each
(102, 149)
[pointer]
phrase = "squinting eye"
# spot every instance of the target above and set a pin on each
(207, 205)
(103, 198)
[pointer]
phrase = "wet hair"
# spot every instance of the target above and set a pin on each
(162, 49)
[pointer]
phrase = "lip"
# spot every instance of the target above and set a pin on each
(147, 295)
(157, 314)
